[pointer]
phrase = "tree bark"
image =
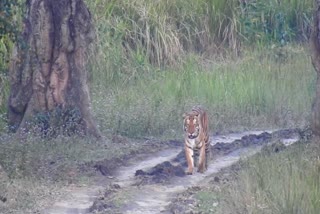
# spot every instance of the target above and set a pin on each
(48, 75)
(315, 57)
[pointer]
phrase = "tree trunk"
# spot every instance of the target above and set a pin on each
(315, 57)
(48, 74)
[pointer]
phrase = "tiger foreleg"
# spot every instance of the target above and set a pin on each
(189, 157)
(202, 160)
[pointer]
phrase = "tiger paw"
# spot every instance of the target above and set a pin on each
(202, 170)
(188, 173)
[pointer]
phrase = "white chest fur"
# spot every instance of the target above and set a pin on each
(192, 143)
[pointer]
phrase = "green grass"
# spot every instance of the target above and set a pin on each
(52, 159)
(163, 31)
(208, 201)
(38, 169)
(285, 182)
(275, 21)
(26, 195)
(151, 61)
(265, 88)
(256, 91)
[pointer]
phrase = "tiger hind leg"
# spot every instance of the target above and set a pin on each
(208, 155)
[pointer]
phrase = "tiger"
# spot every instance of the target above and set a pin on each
(196, 139)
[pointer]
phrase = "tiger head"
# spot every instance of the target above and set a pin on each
(191, 124)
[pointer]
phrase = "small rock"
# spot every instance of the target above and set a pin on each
(3, 199)
(116, 186)
(140, 172)
(216, 179)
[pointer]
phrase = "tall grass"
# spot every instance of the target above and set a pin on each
(152, 60)
(257, 91)
(287, 182)
(155, 59)
(5, 49)
(161, 32)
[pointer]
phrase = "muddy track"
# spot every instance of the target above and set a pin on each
(149, 185)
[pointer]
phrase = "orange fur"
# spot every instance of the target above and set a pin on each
(195, 126)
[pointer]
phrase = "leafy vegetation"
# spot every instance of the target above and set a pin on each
(274, 21)
(10, 17)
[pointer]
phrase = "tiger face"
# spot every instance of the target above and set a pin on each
(191, 126)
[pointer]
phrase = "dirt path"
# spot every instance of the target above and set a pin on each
(79, 199)
(148, 186)
(153, 198)
(76, 200)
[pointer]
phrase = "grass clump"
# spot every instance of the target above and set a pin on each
(162, 31)
(208, 202)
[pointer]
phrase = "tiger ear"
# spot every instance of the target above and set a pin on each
(184, 115)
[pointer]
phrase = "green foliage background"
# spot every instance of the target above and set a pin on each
(10, 17)
(152, 60)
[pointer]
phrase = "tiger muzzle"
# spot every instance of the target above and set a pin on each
(192, 136)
